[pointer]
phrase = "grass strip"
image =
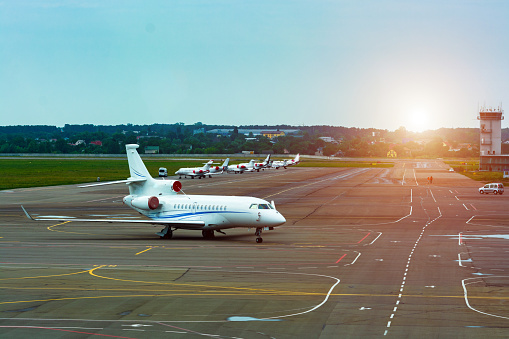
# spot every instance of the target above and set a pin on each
(24, 173)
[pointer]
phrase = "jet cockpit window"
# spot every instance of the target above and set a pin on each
(264, 207)
(254, 206)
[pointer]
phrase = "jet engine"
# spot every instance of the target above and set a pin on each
(145, 203)
(162, 186)
(176, 186)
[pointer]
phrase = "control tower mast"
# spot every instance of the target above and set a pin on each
(491, 130)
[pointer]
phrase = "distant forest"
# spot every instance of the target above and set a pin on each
(193, 139)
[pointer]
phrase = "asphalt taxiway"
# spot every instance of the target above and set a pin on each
(364, 253)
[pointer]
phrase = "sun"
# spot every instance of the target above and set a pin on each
(417, 121)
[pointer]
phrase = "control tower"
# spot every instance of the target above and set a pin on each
(491, 130)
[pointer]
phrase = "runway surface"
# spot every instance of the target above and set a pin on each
(364, 253)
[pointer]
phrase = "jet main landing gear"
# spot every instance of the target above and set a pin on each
(208, 234)
(166, 233)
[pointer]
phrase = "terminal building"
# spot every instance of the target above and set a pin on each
(491, 158)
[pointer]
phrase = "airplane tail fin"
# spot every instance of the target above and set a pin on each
(225, 164)
(136, 166)
(297, 158)
(208, 164)
(267, 159)
(141, 182)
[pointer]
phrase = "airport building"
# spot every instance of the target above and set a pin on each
(491, 158)
(255, 132)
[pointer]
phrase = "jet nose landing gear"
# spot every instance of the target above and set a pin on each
(258, 233)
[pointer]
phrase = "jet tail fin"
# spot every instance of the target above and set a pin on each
(208, 164)
(136, 166)
(225, 163)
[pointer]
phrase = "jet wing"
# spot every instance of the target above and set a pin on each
(175, 223)
(215, 173)
(128, 181)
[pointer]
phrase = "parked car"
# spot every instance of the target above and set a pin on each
(494, 187)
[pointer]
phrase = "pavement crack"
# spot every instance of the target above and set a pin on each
(182, 275)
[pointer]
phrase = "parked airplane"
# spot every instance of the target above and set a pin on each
(214, 170)
(262, 165)
(158, 200)
(194, 172)
(286, 163)
(294, 161)
(276, 164)
(241, 168)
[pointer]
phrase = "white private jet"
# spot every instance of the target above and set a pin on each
(294, 161)
(285, 163)
(262, 165)
(194, 172)
(214, 170)
(241, 168)
(158, 200)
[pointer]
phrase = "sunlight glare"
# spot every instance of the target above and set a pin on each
(417, 121)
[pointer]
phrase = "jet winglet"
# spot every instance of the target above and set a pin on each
(26, 213)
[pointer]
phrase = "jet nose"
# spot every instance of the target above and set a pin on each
(279, 219)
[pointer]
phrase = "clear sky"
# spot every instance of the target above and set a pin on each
(356, 63)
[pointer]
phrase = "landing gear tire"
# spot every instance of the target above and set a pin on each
(258, 233)
(167, 235)
(208, 234)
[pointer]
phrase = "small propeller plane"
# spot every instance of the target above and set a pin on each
(158, 200)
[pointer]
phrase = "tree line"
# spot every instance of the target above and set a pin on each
(182, 139)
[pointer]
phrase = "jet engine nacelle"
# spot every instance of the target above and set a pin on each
(162, 186)
(145, 203)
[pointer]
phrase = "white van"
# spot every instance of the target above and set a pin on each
(494, 187)
(163, 172)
